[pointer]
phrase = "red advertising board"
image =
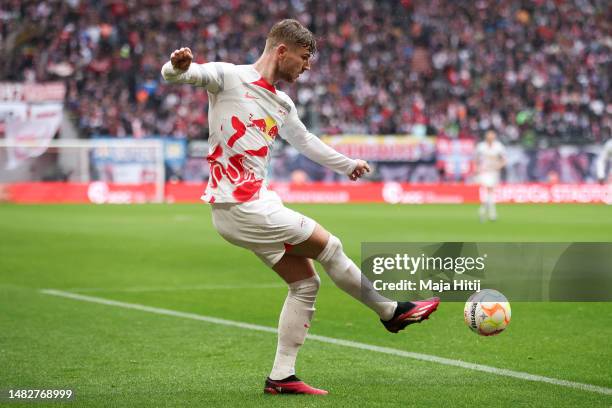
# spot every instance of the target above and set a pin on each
(393, 193)
(96, 192)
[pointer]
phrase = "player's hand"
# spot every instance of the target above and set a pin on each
(362, 168)
(181, 59)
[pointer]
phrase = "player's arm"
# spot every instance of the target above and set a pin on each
(477, 160)
(181, 69)
(501, 158)
(312, 147)
(501, 163)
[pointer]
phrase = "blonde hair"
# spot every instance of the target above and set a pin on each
(292, 33)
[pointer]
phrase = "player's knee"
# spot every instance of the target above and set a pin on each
(331, 250)
(306, 289)
(311, 285)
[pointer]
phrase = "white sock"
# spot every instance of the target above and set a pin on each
(484, 203)
(348, 277)
(491, 206)
(293, 325)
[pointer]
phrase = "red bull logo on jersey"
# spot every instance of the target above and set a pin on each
(267, 126)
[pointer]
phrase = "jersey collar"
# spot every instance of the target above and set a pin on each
(264, 84)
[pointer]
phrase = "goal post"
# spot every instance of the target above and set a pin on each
(126, 162)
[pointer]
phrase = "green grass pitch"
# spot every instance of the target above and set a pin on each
(170, 257)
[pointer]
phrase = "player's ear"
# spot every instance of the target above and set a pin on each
(281, 50)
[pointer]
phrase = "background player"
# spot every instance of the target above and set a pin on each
(246, 113)
(490, 159)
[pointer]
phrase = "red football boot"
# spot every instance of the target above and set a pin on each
(411, 312)
(290, 385)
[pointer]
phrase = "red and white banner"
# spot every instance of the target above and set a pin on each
(34, 132)
(554, 193)
(32, 92)
(392, 193)
(401, 148)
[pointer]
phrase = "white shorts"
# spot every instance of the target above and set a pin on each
(488, 179)
(265, 226)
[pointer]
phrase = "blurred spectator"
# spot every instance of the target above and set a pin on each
(528, 69)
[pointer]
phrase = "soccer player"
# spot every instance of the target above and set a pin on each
(602, 161)
(490, 159)
(246, 114)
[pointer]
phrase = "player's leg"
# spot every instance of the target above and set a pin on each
(327, 249)
(295, 317)
(293, 324)
(267, 228)
(484, 199)
(492, 211)
(482, 211)
(245, 226)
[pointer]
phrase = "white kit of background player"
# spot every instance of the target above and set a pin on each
(490, 159)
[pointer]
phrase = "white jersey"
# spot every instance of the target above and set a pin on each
(489, 157)
(246, 114)
(602, 160)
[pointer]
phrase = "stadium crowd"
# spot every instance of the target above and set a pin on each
(532, 70)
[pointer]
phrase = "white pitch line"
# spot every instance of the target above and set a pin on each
(181, 288)
(339, 342)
